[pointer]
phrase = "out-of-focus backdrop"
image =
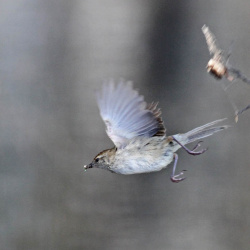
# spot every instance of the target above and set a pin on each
(53, 56)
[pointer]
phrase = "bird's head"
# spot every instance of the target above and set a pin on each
(103, 160)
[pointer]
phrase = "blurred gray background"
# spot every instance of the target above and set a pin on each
(54, 55)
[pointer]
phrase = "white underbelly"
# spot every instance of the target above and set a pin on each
(142, 165)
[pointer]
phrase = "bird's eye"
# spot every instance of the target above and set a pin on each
(97, 159)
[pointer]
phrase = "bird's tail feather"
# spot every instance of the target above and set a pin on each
(200, 132)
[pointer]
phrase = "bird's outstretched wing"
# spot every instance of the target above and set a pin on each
(213, 48)
(126, 115)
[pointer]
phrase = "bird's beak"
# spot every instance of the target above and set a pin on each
(87, 166)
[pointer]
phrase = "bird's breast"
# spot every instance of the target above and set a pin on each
(144, 158)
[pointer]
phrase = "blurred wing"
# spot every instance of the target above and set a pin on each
(126, 115)
(211, 41)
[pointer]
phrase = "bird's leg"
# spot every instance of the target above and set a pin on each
(191, 152)
(176, 178)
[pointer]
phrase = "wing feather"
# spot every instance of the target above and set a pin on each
(211, 42)
(125, 113)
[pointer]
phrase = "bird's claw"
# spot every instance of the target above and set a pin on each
(176, 179)
(193, 152)
(197, 145)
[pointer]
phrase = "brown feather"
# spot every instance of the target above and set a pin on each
(157, 114)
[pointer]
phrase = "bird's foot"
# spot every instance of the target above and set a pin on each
(192, 152)
(177, 178)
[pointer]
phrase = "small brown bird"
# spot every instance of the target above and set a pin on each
(137, 130)
(219, 65)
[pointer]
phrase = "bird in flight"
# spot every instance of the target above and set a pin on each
(219, 66)
(137, 130)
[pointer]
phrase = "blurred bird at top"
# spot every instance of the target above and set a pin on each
(137, 130)
(219, 66)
